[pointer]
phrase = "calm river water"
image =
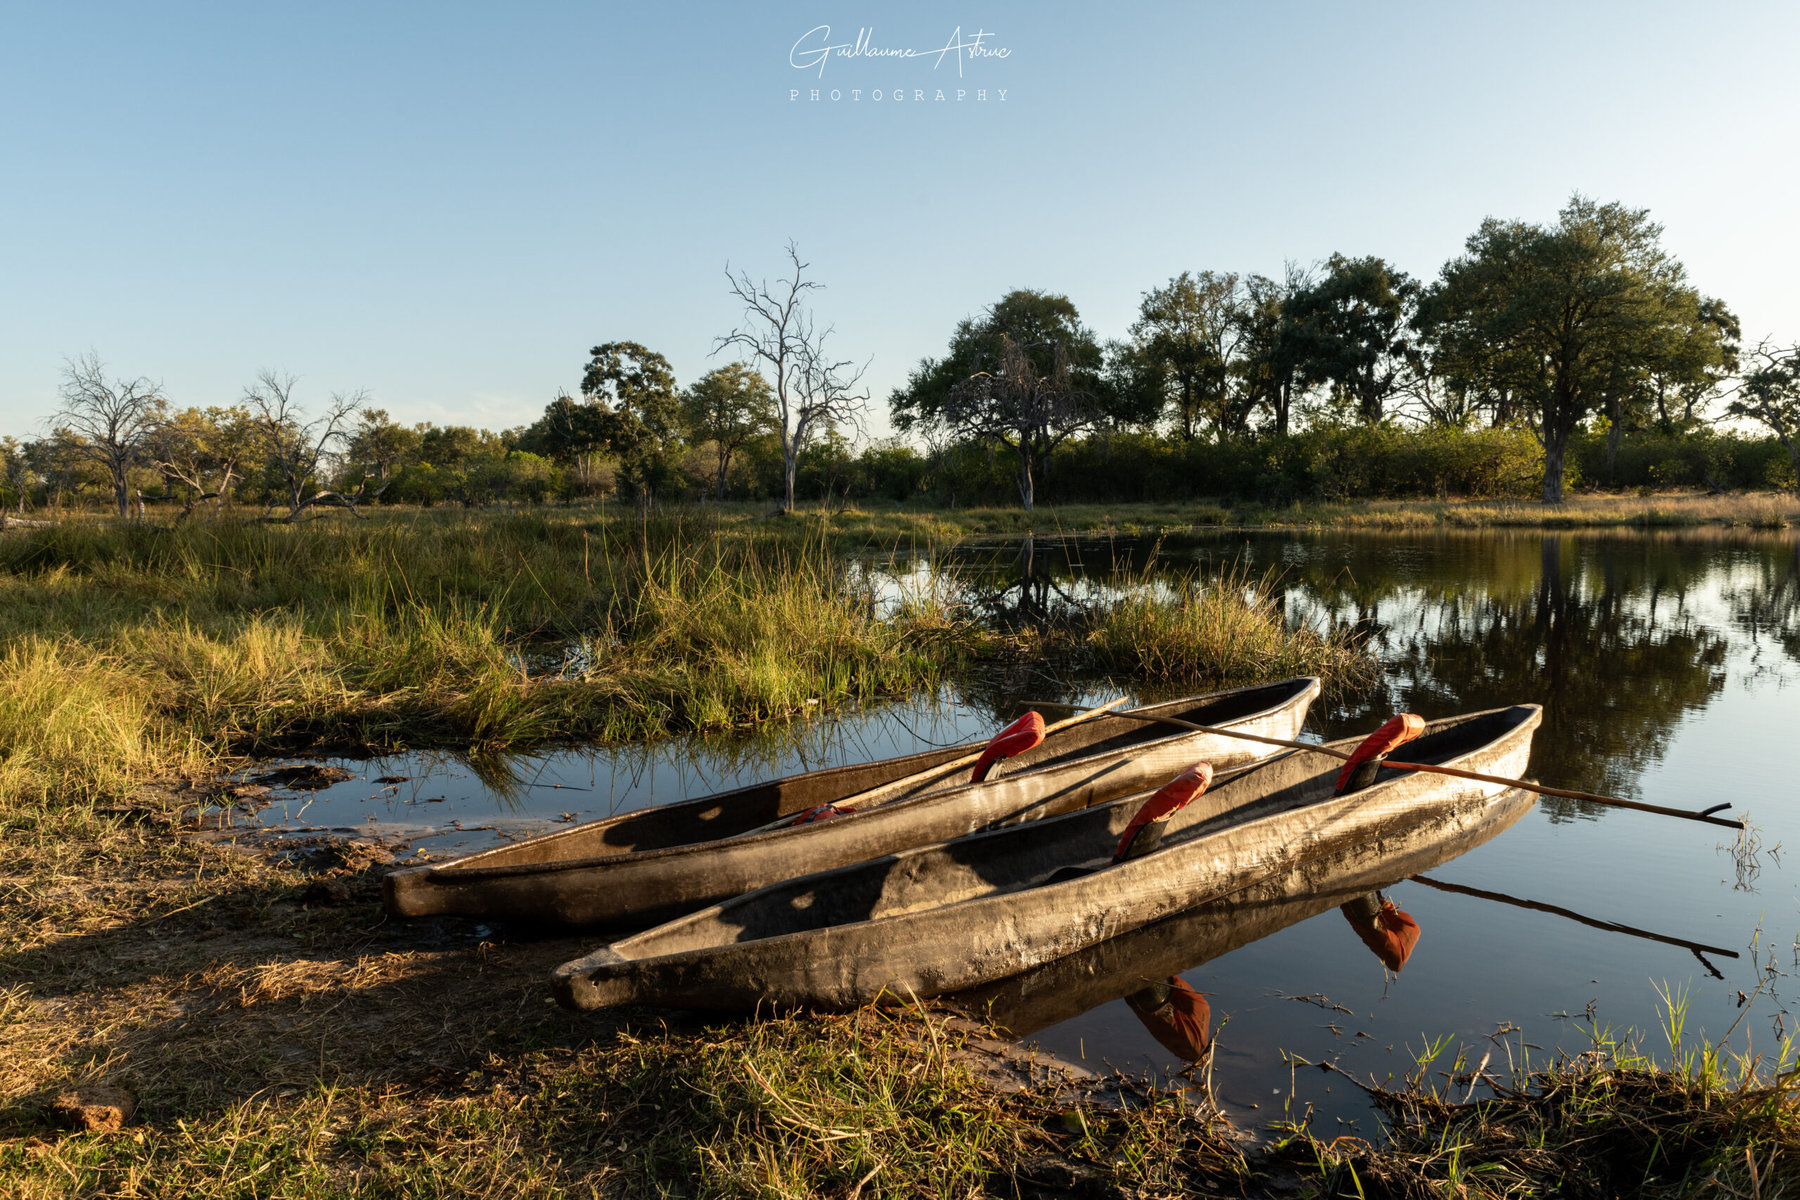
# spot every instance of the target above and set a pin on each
(1666, 665)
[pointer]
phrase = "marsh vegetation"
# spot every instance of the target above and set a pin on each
(270, 1025)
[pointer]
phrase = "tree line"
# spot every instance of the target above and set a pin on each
(1584, 324)
(1554, 343)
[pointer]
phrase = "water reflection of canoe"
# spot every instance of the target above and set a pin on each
(642, 867)
(1070, 986)
(948, 917)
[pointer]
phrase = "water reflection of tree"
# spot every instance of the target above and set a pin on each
(1604, 629)
(1607, 645)
(1037, 590)
(1022, 599)
(1768, 607)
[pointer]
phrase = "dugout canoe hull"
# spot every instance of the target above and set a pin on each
(643, 867)
(1025, 1003)
(944, 918)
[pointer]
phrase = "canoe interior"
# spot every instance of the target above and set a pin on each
(1026, 856)
(729, 814)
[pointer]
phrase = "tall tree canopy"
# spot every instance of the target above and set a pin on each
(381, 442)
(1348, 331)
(1269, 358)
(1025, 374)
(728, 406)
(1185, 341)
(639, 412)
(1562, 320)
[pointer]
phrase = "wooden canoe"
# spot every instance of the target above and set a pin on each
(1057, 991)
(947, 917)
(639, 868)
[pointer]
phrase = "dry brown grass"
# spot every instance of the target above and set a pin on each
(281, 1048)
(1666, 510)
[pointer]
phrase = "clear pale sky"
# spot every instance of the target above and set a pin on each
(448, 204)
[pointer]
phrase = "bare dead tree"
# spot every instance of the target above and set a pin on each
(295, 448)
(829, 391)
(811, 389)
(1022, 406)
(106, 421)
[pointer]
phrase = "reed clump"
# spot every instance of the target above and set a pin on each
(1220, 630)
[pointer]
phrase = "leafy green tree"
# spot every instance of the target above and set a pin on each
(1348, 331)
(381, 442)
(575, 436)
(1680, 365)
(526, 476)
(727, 407)
(1131, 389)
(1769, 394)
(204, 451)
(455, 445)
(1186, 338)
(634, 388)
(418, 483)
(17, 476)
(1038, 320)
(1562, 318)
(1268, 357)
(1029, 408)
(1025, 375)
(1688, 368)
(890, 468)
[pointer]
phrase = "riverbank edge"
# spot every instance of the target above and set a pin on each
(1760, 512)
(869, 525)
(268, 1023)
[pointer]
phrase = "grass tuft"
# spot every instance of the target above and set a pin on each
(1225, 630)
(1605, 1122)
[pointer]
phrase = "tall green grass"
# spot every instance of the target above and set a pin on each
(132, 650)
(1224, 630)
(1609, 1121)
(74, 724)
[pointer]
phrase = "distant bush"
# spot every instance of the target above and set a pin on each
(1702, 459)
(1330, 463)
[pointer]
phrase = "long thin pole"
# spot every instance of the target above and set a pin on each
(1540, 906)
(1704, 815)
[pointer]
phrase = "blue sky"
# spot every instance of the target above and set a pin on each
(448, 204)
